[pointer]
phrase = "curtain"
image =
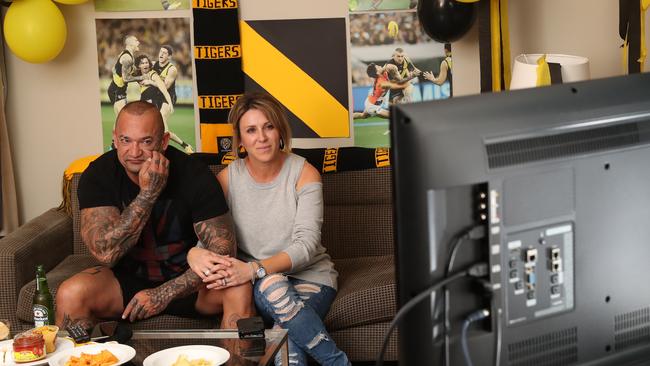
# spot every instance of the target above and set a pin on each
(9, 205)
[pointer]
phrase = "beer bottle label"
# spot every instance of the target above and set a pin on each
(41, 316)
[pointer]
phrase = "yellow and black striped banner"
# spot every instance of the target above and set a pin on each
(325, 160)
(302, 63)
(215, 4)
(494, 45)
(631, 28)
(218, 65)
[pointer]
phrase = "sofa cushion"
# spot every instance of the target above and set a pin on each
(366, 292)
(358, 215)
(78, 246)
(166, 321)
(364, 342)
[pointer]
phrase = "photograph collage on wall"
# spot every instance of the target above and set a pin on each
(392, 61)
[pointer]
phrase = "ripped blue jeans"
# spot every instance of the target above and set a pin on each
(300, 307)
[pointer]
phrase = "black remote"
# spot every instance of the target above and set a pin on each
(78, 333)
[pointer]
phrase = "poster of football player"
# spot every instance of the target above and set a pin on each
(392, 61)
(140, 5)
(365, 5)
(151, 60)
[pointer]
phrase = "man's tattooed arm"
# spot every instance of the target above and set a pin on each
(153, 301)
(218, 234)
(176, 288)
(109, 234)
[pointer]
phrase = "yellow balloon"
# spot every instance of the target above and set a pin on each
(71, 2)
(35, 30)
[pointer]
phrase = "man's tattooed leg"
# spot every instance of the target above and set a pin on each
(85, 323)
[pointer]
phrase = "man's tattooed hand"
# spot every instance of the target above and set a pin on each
(145, 304)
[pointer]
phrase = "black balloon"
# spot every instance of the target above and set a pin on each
(446, 20)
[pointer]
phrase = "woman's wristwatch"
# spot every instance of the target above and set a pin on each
(261, 271)
(258, 273)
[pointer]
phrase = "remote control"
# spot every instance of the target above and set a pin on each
(78, 333)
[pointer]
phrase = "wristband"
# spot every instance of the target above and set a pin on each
(252, 272)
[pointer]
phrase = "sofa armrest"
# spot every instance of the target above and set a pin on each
(46, 240)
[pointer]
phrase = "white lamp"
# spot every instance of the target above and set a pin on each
(524, 71)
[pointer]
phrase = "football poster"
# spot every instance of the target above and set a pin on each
(392, 61)
(147, 59)
(141, 5)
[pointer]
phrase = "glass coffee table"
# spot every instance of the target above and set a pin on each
(241, 351)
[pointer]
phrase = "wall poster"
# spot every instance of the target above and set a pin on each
(147, 59)
(309, 77)
(140, 5)
(392, 61)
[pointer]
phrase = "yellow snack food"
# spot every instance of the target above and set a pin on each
(182, 360)
(49, 335)
(104, 358)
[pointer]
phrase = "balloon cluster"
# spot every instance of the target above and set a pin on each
(35, 30)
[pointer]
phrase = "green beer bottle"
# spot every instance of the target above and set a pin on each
(43, 304)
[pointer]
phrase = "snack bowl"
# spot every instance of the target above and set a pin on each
(123, 353)
(5, 327)
(168, 357)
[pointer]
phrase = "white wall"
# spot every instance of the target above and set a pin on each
(576, 27)
(53, 111)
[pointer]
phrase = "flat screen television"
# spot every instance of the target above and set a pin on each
(550, 188)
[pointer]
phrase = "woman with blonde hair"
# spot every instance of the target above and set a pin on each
(276, 201)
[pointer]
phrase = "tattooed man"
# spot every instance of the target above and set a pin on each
(143, 206)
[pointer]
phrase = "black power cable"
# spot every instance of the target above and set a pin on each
(475, 270)
(475, 316)
(472, 233)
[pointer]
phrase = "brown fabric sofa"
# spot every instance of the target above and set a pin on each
(357, 231)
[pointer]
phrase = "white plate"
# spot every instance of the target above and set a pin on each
(62, 345)
(168, 356)
(123, 353)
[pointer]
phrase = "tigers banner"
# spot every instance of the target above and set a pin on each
(325, 160)
(218, 67)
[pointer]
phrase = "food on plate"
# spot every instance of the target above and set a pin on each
(49, 335)
(28, 346)
(182, 360)
(104, 358)
(4, 331)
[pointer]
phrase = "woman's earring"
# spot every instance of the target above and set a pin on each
(241, 151)
(281, 144)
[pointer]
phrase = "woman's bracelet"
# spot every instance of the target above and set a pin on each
(252, 272)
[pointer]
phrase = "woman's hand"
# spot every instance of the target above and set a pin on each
(236, 274)
(206, 263)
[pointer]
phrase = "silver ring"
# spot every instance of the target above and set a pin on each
(225, 281)
(206, 272)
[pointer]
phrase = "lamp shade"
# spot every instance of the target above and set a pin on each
(524, 71)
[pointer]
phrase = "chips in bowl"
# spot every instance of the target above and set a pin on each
(49, 335)
(103, 358)
(182, 360)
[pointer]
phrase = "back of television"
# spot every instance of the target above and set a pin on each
(554, 204)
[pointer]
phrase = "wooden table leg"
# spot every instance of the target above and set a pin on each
(285, 352)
